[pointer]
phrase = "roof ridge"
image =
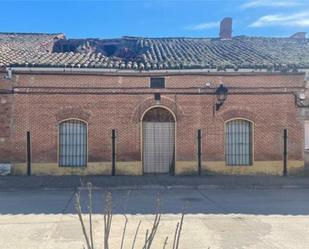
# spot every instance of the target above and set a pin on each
(30, 33)
(146, 37)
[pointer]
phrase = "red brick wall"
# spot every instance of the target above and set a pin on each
(6, 125)
(173, 80)
(41, 113)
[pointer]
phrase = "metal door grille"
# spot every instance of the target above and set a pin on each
(73, 143)
(158, 146)
(238, 142)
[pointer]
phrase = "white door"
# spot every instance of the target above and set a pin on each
(158, 146)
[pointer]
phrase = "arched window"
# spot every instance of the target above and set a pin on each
(238, 142)
(73, 143)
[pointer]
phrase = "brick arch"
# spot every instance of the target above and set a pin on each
(238, 113)
(68, 113)
(149, 102)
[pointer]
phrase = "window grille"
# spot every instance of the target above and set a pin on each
(238, 142)
(156, 82)
(73, 143)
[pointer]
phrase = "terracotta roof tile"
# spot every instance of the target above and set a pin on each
(47, 50)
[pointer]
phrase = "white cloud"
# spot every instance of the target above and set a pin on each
(202, 26)
(269, 3)
(300, 19)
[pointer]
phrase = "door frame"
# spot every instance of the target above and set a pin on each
(173, 169)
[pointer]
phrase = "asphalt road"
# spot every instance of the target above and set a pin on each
(194, 201)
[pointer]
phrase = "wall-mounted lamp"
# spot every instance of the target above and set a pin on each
(300, 99)
(221, 94)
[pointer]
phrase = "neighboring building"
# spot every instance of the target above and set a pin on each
(157, 94)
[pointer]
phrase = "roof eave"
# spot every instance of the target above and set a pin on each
(65, 70)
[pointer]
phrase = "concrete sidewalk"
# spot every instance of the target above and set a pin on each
(148, 182)
(198, 232)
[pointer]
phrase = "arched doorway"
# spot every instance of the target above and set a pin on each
(158, 141)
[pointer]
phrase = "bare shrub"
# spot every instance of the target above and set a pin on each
(108, 217)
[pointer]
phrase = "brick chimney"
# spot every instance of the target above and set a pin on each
(226, 28)
(299, 35)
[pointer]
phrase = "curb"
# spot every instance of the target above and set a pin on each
(154, 187)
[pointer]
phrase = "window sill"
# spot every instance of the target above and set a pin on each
(246, 165)
(69, 166)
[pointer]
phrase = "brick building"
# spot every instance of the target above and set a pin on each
(158, 95)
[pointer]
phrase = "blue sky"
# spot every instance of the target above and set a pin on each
(154, 18)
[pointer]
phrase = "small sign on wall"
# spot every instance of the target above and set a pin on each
(5, 169)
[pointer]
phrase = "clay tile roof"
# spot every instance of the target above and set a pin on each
(137, 53)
